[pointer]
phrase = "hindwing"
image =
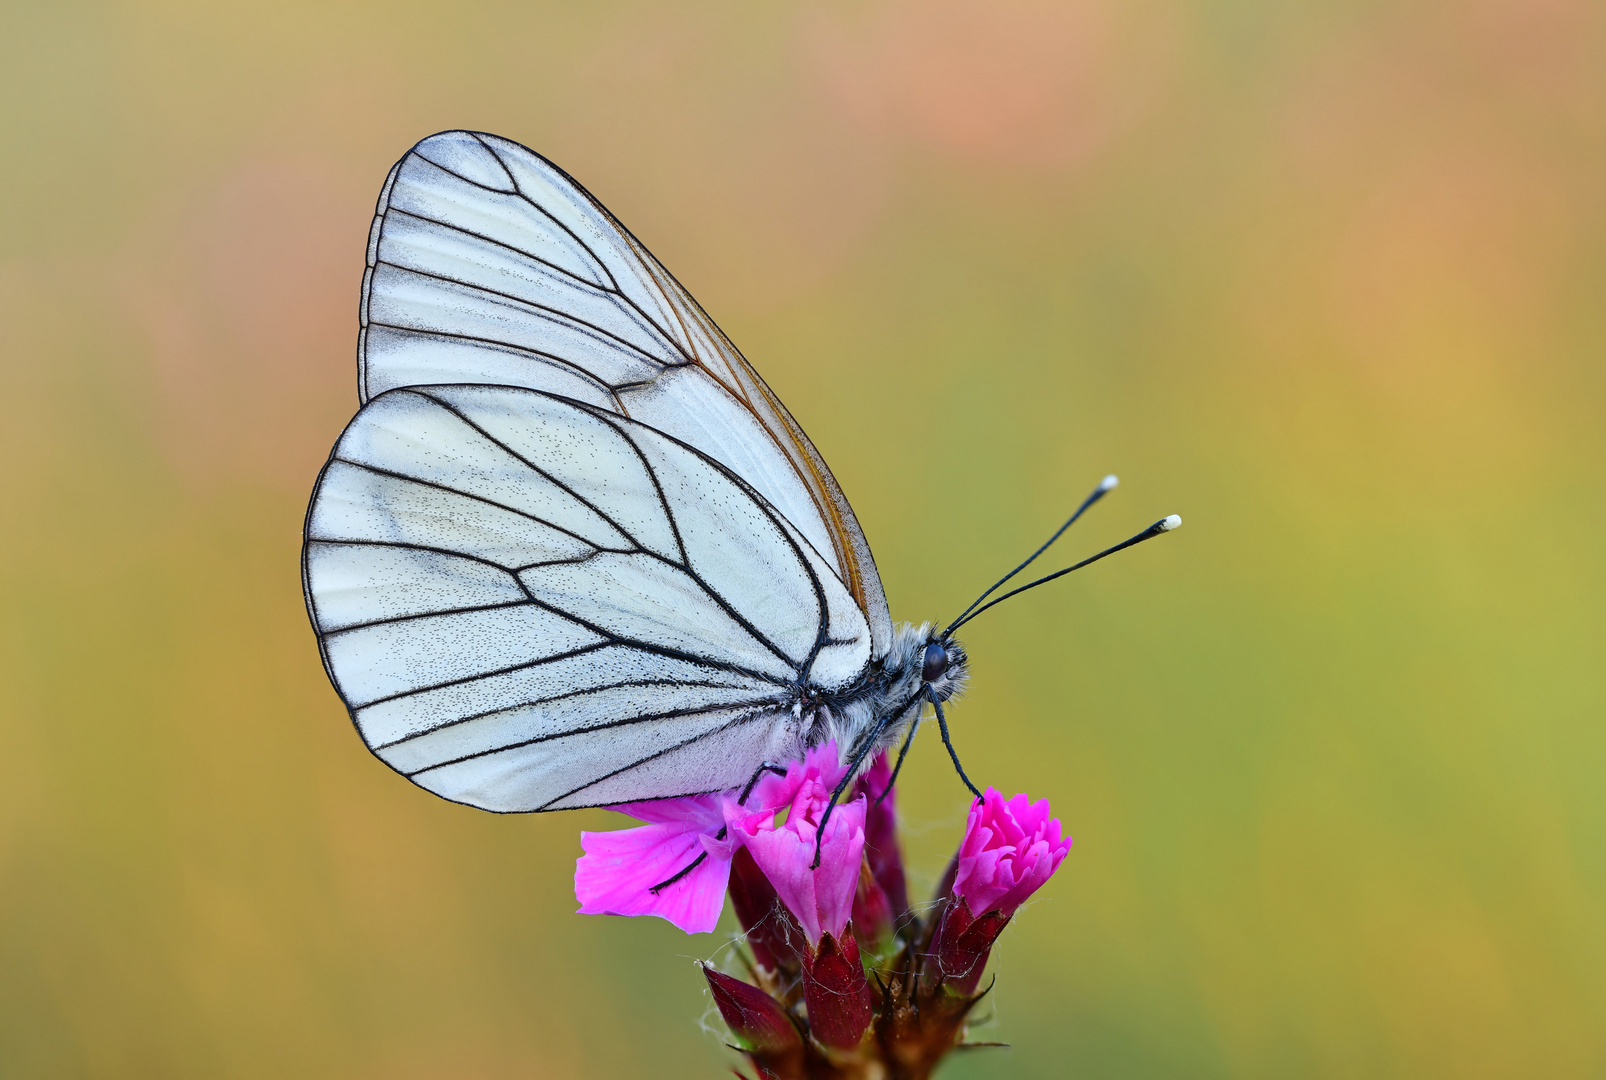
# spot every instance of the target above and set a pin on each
(532, 602)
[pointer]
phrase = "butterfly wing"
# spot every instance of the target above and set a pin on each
(530, 602)
(488, 264)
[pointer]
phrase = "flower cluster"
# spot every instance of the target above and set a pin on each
(847, 979)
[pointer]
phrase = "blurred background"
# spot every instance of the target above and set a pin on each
(1326, 279)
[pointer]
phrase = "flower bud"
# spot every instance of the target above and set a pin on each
(881, 836)
(872, 912)
(961, 944)
(757, 1021)
(836, 992)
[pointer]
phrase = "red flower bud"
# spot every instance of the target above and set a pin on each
(881, 836)
(962, 943)
(872, 912)
(756, 1020)
(836, 992)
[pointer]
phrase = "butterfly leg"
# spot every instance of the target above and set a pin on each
(688, 868)
(942, 725)
(865, 747)
(898, 765)
(766, 767)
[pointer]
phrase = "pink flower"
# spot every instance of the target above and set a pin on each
(1009, 851)
(820, 899)
(618, 871)
(616, 874)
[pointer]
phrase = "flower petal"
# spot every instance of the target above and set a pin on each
(1010, 850)
(616, 874)
(821, 899)
(703, 810)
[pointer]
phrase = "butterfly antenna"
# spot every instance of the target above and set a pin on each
(1164, 525)
(1099, 492)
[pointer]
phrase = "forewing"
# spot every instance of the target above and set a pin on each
(530, 603)
(488, 264)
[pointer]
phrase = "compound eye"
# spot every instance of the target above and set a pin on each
(936, 663)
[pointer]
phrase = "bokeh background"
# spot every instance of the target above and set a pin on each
(1324, 278)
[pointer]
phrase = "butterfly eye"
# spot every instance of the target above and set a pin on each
(936, 663)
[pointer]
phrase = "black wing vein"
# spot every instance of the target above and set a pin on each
(375, 469)
(759, 704)
(551, 314)
(639, 762)
(567, 695)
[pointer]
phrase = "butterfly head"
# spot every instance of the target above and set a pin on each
(943, 665)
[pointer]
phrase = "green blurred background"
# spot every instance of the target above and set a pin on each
(1324, 278)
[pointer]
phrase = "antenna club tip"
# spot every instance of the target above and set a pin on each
(1108, 482)
(1174, 521)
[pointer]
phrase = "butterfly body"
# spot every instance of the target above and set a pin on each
(891, 692)
(888, 695)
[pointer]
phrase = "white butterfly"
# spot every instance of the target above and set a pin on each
(573, 551)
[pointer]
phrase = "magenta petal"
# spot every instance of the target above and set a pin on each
(837, 879)
(822, 899)
(616, 874)
(701, 809)
(773, 792)
(1011, 848)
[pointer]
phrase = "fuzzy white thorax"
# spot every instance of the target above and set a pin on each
(894, 690)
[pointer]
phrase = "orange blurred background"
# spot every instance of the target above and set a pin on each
(1326, 279)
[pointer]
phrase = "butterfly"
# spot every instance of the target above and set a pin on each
(572, 551)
